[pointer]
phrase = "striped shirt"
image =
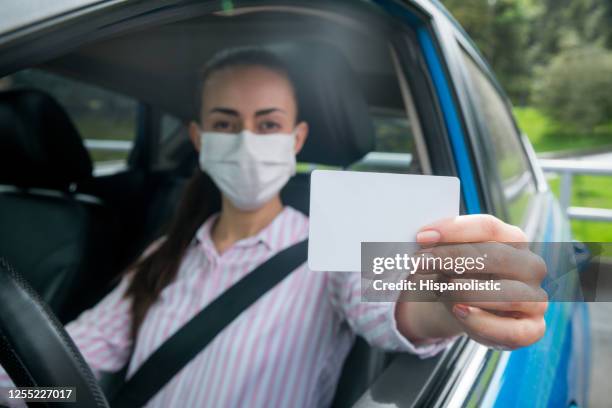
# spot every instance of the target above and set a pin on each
(287, 349)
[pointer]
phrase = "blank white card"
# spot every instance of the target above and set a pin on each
(349, 207)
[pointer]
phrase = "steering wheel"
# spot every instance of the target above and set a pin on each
(35, 350)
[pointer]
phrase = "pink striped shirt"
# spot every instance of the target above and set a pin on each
(287, 349)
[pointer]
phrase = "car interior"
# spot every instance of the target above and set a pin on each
(74, 223)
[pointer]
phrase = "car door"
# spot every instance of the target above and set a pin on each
(517, 192)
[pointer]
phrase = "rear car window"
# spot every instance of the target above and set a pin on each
(106, 120)
(394, 144)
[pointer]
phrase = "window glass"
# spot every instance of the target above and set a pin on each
(107, 121)
(393, 132)
(174, 147)
(394, 144)
(170, 127)
(509, 158)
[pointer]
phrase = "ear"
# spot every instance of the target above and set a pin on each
(301, 133)
(195, 135)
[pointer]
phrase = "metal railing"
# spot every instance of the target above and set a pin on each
(566, 169)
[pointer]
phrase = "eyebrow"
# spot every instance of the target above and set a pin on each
(233, 112)
(269, 110)
(227, 111)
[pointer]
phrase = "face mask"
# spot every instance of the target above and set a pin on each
(248, 168)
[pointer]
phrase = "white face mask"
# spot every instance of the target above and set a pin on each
(248, 168)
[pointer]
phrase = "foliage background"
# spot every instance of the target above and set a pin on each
(518, 37)
(554, 59)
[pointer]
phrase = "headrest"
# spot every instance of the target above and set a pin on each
(39, 145)
(330, 101)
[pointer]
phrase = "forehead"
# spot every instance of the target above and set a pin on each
(247, 88)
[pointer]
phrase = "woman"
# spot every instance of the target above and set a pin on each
(288, 348)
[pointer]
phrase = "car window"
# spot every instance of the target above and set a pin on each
(173, 146)
(107, 121)
(393, 133)
(508, 158)
(394, 144)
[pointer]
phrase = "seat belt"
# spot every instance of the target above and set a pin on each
(177, 351)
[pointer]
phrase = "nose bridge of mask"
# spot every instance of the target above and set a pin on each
(269, 148)
(246, 148)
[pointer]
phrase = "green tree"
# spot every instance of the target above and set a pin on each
(501, 30)
(575, 87)
(562, 24)
(517, 36)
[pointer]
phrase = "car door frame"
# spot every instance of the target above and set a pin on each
(546, 222)
(454, 373)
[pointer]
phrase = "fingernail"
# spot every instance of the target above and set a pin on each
(428, 237)
(461, 311)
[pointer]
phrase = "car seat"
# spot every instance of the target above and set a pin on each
(60, 241)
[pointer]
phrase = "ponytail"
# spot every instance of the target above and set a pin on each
(152, 274)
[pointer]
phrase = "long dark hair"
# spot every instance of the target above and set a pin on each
(200, 199)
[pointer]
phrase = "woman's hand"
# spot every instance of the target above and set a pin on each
(509, 319)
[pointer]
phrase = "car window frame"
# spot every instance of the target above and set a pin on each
(458, 370)
(491, 179)
(448, 368)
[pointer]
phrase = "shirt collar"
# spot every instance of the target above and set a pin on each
(269, 235)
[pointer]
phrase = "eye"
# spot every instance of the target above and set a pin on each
(268, 126)
(221, 125)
